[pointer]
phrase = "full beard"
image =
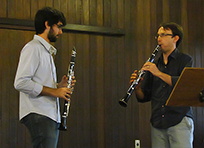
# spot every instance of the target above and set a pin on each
(51, 36)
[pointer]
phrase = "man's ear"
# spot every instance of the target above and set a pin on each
(46, 25)
(176, 38)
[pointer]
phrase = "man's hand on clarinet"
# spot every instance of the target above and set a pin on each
(63, 91)
(73, 83)
(133, 77)
(151, 67)
(63, 82)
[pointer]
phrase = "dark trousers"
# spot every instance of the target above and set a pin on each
(43, 130)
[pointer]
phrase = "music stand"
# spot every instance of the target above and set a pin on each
(187, 90)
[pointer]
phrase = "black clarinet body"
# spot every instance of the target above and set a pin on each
(124, 100)
(70, 73)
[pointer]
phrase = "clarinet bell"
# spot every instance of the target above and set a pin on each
(124, 100)
(123, 103)
(63, 126)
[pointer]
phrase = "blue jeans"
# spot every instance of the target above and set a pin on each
(43, 130)
(178, 136)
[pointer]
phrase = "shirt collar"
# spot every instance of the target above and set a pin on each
(51, 49)
(174, 54)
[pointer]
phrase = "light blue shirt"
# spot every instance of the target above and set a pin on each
(36, 69)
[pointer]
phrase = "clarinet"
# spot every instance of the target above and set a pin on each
(70, 73)
(124, 100)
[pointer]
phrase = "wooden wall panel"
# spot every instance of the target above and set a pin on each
(196, 36)
(165, 10)
(12, 132)
(103, 67)
(3, 9)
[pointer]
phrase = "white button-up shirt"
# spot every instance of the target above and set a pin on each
(36, 69)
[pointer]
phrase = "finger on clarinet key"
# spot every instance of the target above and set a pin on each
(67, 96)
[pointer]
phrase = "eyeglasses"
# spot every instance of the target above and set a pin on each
(59, 26)
(162, 35)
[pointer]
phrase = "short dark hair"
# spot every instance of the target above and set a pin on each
(52, 15)
(176, 30)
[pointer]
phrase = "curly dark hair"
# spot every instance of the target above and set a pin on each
(52, 15)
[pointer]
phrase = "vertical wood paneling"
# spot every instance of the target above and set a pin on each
(71, 12)
(11, 133)
(13, 105)
(165, 10)
(34, 8)
(41, 3)
(11, 8)
(3, 10)
(153, 24)
(112, 139)
(92, 74)
(78, 11)
(140, 31)
(64, 7)
(100, 94)
(85, 11)
(125, 112)
(71, 137)
(1, 90)
(50, 3)
(78, 96)
(121, 74)
(184, 25)
(57, 4)
(18, 11)
(83, 79)
(103, 67)
(99, 91)
(26, 13)
(134, 122)
(107, 74)
(85, 125)
(5, 106)
(175, 16)
(145, 109)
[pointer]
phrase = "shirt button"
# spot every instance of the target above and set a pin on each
(163, 85)
(162, 116)
(162, 105)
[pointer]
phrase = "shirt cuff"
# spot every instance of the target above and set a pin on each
(37, 90)
(174, 79)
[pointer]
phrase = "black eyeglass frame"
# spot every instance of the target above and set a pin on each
(162, 35)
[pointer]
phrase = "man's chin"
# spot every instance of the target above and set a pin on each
(53, 40)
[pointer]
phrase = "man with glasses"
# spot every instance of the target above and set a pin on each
(171, 127)
(37, 81)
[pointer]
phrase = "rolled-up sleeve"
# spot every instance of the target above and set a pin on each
(28, 64)
(174, 79)
(187, 62)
